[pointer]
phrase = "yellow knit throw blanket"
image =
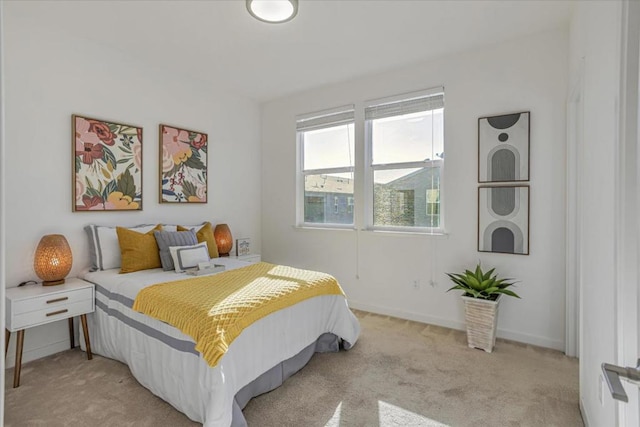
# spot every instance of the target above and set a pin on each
(215, 309)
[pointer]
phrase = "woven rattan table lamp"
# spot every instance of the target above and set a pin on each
(53, 259)
(224, 240)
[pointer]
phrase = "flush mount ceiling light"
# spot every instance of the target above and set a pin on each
(273, 11)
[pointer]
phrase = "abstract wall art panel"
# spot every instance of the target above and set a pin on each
(503, 219)
(503, 148)
(183, 165)
(107, 165)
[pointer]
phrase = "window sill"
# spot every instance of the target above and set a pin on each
(403, 233)
(321, 228)
(396, 233)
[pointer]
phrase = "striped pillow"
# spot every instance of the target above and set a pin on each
(104, 249)
(166, 239)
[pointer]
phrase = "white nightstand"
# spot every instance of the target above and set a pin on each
(251, 258)
(35, 305)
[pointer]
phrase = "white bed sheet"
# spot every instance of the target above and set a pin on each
(163, 360)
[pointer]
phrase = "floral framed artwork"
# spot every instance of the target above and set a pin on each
(107, 165)
(183, 161)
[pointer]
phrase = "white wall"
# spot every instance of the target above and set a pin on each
(595, 37)
(50, 76)
(377, 270)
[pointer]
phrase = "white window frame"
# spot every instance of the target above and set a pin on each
(370, 168)
(319, 120)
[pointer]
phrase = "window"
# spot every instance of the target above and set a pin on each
(404, 139)
(326, 167)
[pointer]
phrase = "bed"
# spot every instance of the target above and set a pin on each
(164, 360)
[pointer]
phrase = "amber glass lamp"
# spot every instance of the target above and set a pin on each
(224, 240)
(53, 259)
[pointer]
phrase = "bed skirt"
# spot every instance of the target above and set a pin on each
(277, 375)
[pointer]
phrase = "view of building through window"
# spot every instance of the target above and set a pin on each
(407, 155)
(328, 174)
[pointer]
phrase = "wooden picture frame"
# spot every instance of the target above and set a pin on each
(503, 219)
(183, 165)
(106, 165)
(504, 147)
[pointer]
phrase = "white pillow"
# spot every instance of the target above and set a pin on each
(174, 227)
(189, 256)
(104, 249)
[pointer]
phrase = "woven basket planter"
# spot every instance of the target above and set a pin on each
(481, 317)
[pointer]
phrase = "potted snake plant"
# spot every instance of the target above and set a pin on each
(482, 295)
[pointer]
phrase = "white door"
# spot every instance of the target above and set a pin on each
(607, 36)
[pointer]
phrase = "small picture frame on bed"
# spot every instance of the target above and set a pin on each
(243, 246)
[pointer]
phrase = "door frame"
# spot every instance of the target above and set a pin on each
(573, 226)
(627, 210)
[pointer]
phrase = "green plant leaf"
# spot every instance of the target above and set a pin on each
(486, 284)
(488, 274)
(109, 188)
(507, 292)
(478, 272)
(473, 293)
(126, 185)
(188, 189)
(92, 192)
(194, 163)
(109, 157)
(474, 283)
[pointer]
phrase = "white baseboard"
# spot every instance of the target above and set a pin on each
(585, 416)
(402, 314)
(454, 324)
(36, 353)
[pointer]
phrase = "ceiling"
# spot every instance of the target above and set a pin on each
(219, 43)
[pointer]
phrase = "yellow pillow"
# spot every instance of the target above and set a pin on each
(205, 234)
(139, 250)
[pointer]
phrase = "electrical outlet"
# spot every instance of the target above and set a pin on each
(601, 389)
(433, 283)
(416, 284)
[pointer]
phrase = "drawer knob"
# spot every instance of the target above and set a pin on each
(57, 312)
(57, 300)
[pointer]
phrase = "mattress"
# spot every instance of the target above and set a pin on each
(165, 361)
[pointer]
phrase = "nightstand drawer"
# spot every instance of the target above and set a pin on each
(51, 314)
(52, 302)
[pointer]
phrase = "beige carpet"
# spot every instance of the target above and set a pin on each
(400, 373)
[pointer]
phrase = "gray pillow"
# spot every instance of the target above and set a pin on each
(166, 239)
